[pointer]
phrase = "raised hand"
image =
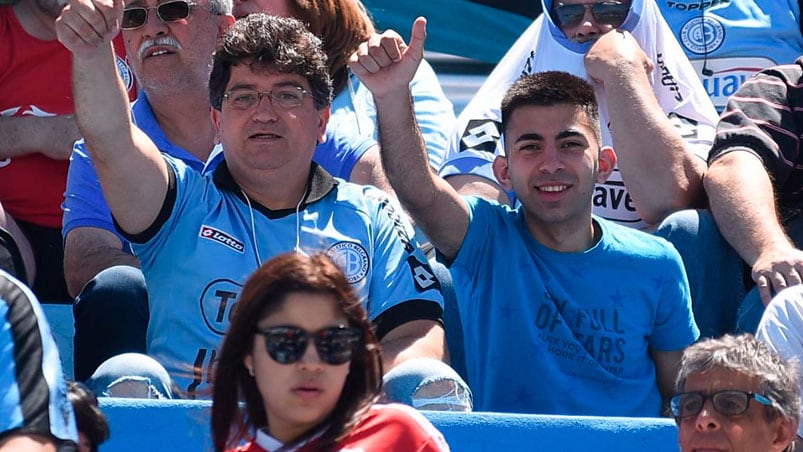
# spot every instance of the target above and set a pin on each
(87, 26)
(385, 63)
(615, 54)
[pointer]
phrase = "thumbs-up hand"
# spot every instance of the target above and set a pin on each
(385, 63)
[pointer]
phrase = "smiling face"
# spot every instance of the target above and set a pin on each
(748, 432)
(553, 161)
(174, 54)
(267, 137)
(299, 396)
(588, 28)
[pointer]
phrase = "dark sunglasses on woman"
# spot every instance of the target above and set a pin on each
(287, 344)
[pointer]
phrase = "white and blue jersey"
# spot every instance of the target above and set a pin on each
(733, 39)
(207, 240)
(33, 393)
(567, 333)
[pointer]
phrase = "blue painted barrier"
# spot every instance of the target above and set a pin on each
(171, 425)
(155, 425)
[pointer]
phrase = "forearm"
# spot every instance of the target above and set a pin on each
(416, 339)
(88, 251)
(101, 105)
(52, 136)
(660, 171)
(742, 201)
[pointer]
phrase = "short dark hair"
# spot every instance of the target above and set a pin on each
(268, 42)
(545, 89)
(265, 293)
(88, 416)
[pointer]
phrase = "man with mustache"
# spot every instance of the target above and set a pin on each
(37, 131)
(170, 45)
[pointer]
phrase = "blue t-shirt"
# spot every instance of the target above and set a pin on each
(207, 240)
(567, 333)
(84, 204)
(734, 39)
(34, 393)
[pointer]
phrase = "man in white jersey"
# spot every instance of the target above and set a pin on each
(653, 107)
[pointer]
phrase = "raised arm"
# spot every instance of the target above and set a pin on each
(385, 64)
(659, 168)
(132, 173)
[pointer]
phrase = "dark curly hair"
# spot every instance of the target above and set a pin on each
(273, 43)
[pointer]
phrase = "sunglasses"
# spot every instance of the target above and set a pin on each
(136, 16)
(287, 344)
(730, 402)
(611, 13)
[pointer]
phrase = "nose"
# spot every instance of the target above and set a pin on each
(708, 418)
(588, 28)
(264, 110)
(551, 161)
(310, 361)
(153, 26)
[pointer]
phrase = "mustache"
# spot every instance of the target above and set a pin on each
(165, 41)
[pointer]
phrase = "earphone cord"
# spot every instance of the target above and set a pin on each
(297, 247)
(253, 228)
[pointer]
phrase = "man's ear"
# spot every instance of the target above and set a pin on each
(216, 121)
(785, 433)
(323, 120)
(225, 22)
(607, 162)
(502, 172)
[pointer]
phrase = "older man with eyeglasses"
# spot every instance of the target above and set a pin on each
(735, 394)
(170, 46)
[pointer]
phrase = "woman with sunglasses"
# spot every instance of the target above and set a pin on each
(301, 354)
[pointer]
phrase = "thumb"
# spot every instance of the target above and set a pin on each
(419, 35)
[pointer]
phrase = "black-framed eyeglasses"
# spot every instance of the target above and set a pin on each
(283, 97)
(730, 402)
(611, 13)
(287, 344)
(136, 16)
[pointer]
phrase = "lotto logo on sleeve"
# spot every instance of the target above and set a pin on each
(216, 235)
(481, 135)
(423, 276)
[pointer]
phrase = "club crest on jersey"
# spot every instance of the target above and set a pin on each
(351, 258)
(702, 34)
(216, 235)
(125, 73)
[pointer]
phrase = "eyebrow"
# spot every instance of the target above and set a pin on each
(538, 137)
(254, 87)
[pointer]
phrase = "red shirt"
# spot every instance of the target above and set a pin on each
(384, 427)
(35, 79)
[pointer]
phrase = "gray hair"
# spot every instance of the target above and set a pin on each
(778, 378)
(220, 7)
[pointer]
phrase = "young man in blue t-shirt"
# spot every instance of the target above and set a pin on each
(563, 312)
